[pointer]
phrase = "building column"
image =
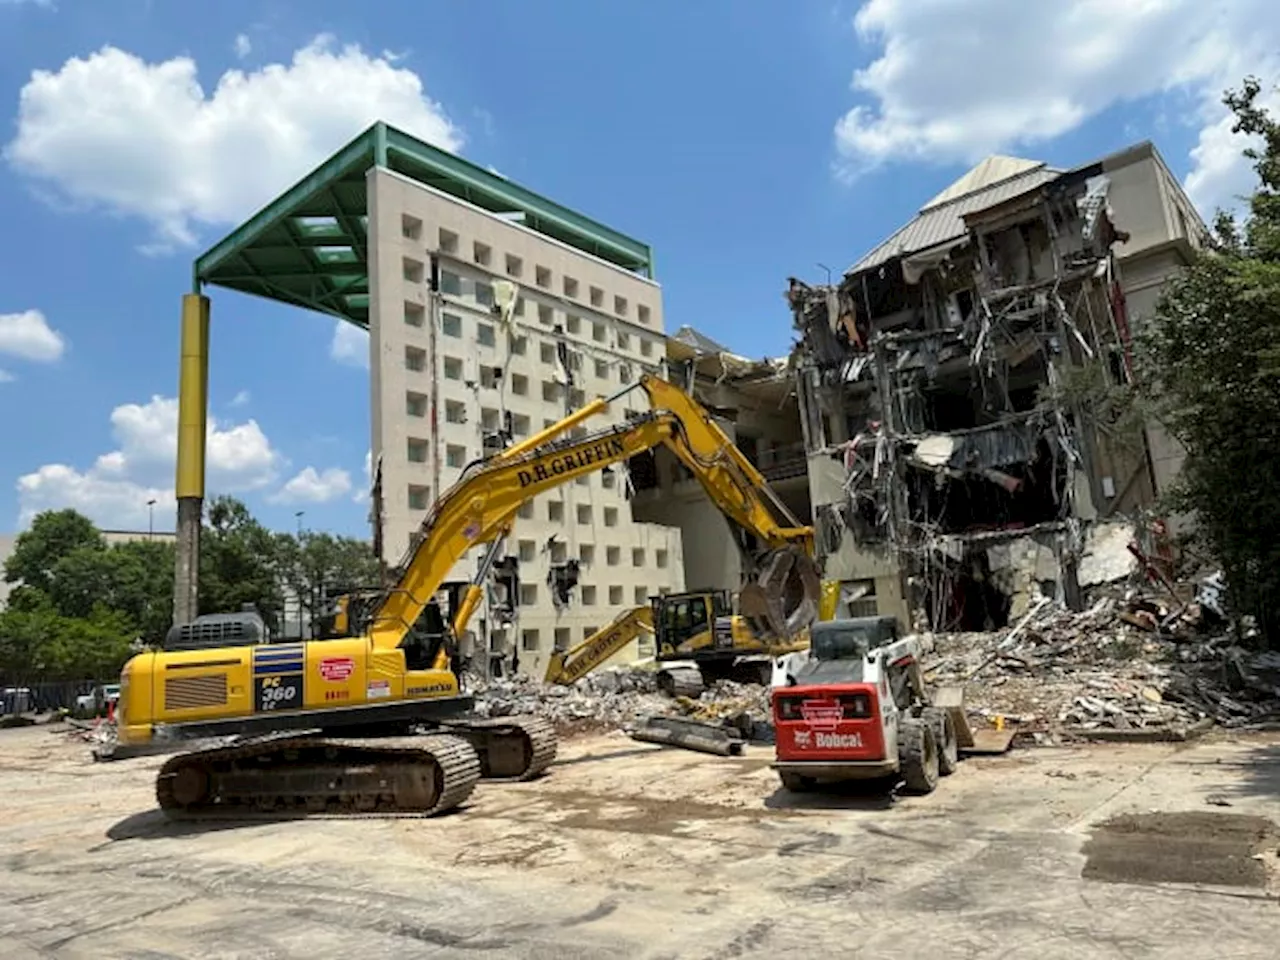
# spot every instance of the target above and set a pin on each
(193, 404)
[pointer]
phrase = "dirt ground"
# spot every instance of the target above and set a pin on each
(628, 850)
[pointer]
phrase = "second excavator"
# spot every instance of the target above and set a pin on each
(300, 710)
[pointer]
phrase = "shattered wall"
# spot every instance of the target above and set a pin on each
(960, 403)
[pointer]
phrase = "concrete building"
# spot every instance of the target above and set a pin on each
(9, 540)
(957, 390)
(456, 378)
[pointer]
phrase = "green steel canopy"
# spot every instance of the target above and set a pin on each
(308, 247)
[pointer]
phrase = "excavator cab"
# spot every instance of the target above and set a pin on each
(689, 621)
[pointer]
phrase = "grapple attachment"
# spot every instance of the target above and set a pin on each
(783, 599)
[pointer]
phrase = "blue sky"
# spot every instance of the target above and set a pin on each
(746, 141)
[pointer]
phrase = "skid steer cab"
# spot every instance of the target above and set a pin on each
(853, 706)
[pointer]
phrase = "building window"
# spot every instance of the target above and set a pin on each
(620, 306)
(624, 373)
(584, 513)
(576, 399)
(640, 596)
(448, 241)
(415, 358)
(660, 559)
(481, 253)
(519, 384)
(417, 450)
(488, 418)
(529, 640)
(528, 594)
(410, 227)
(607, 478)
(418, 497)
(515, 266)
(562, 639)
(598, 332)
(610, 516)
(485, 335)
(450, 283)
(597, 297)
(528, 550)
(637, 556)
(542, 276)
(586, 553)
(602, 369)
(455, 411)
(624, 341)
(412, 269)
(555, 511)
(455, 456)
(519, 308)
(484, 294)
(646, 347)
(613, 556)
(489, 376)
(414, 313)
(546, 316)
(451, 325)
(452, 368)
(519, 346)
(520, 425)
(558, 551)
(642, 313)
(582, 481)
(588, 596)
(573, 323)
(526, 510)
(415, 404)
(547, 350)
(571, 287)
(550, 391)
(615, 595)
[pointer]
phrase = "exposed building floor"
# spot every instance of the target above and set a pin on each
(627, 850)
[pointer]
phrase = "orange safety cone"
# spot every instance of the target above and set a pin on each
(111, 711)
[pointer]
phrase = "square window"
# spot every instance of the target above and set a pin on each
(615, 594)
(624, 341)
(583, 481)
(415, 404)
(576, 399)
(620, 306)
(640, 596)
(450, 283)
(529, 640)
(526, 510)
(573, 323)
(418, 497)
(584, 513)
(485, 335)
(489, 376)
(612, 556)
(519, 384)
(660, 558)
(547, 423)
(519, 308)
(624, 373)
(484, 294)
(546, 316)
(481, 253)
(448, 241)
(555, 511)
(528, 550)
(520, 425)
(586, 553)
(610, 516)
(514, 266)
(646, 347)
(455, 411)
(542, 276)
(642, 313)
(528, 594)
(488, 418)
(417, 451)
(602, 369)
(451, 325)
(547, 350)
(455, 456)
(637, 556)
(550, 391)
(607, 478)
(597, 296)
(562, 639)
(571, 287)
(413, 269)
(588, 596)
(414, 313)
(410, 227)
(589, 632)
(598, 332)
(415, 358)
(519, 346)
(452, 368)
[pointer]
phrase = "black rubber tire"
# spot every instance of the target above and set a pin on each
(795, 782)
(944, 732)
(917, 757)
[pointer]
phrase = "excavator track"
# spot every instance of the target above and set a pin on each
(509, 748)
(318, 776)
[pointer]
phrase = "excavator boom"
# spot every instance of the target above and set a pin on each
(566, 667)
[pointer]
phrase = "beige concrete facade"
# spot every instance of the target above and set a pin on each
(446, 374)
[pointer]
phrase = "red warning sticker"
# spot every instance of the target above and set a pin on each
(337, 669)
(823, 714)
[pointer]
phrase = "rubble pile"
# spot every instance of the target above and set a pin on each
(1125, 664)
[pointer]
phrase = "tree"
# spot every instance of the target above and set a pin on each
(317, 566)
(53, 535)
(239, 562)
(1209, 366)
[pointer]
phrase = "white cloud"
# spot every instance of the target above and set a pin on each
(113, 131)
(243, 45)
(114, 491)
(29, 336)
(241, 399)
(952, 82)
(350, 344)
(312, 487)
(361, 495)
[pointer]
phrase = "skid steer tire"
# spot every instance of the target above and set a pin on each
(918, 757)
(944, 733)
(796, 783)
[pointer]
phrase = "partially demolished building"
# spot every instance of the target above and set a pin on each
(957, 390)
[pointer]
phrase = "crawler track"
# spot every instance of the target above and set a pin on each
(320, 776)
(509, 748)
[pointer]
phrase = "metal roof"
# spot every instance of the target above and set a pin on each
(939, 223)
(309, 246)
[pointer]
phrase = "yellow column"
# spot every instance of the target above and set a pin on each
(193, 414)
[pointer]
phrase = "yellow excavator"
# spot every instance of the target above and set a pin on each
(300, 711)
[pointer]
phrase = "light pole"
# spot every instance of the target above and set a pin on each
(151, 519)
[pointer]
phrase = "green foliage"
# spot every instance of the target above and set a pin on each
(1209, 367)
(316, 565)
(238, 562)
(53, 535)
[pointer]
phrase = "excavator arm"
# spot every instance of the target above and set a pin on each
(568, 666)
(482, 506)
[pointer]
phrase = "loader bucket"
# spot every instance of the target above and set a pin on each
(783, 600)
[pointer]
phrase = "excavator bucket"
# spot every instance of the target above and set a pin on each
(784, 598)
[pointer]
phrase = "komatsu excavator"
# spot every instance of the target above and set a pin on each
(298, 708)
